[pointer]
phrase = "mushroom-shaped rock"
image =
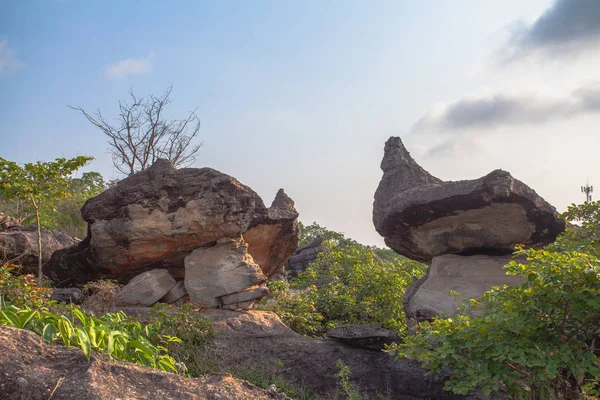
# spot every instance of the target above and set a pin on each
(221, 270)
(421, 216)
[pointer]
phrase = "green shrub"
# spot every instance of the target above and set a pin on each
(21, 290)
(113, 334)
(350, 284)
(193, 329)
(535, 340)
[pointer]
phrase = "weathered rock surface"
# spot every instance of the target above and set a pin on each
(146, 288)
(275, 237)
(221, 270)
(175, 293)
(304, 256)
(253, 339)
(31, 369)
(469, 276)
(67, 295)
(155, 218)
(241, 298)
(18, 245)
(364, 336)
(421, 216)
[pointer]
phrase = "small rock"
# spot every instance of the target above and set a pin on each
(67, 295)
(146, 288)
(176, 293)
(364, 336)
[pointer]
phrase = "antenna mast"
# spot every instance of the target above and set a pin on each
(587, 189)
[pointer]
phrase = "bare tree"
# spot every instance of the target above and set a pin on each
(142, 135)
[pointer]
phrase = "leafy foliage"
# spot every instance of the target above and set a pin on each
(21, 290)
(348, 284)
(535, 340)
(39, 183)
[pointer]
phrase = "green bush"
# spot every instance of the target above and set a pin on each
(193, 329)
(535, 340)
(350, 284)
(113, 334)
(21, 290)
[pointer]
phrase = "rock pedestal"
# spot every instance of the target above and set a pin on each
(466, 230)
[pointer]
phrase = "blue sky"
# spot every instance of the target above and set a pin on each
(303, 95)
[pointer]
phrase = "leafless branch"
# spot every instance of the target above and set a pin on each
(142, 134)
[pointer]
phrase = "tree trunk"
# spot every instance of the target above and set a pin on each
(39, 240)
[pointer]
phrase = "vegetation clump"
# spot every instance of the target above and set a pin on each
(537, 340)
(349, 284)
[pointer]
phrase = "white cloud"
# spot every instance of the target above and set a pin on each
(8, 60)
(130, 66)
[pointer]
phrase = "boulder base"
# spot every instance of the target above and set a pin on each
(364, 336)
(469, 276)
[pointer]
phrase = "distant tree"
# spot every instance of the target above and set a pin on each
(142, 134)
(40, 183)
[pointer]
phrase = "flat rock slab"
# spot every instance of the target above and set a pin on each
(421, 216)
(469, 276)
(67, 295)
(146, 288)
(364, 336)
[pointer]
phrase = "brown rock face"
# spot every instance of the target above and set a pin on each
(274, 239)
(421, 216)
(18, 245)
(155, 218)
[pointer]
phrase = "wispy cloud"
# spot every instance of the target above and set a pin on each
(567, 27)
(128, 67)
(8, 60)
(500, 109)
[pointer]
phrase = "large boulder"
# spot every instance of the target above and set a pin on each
(468, 276)
(421, 216)
(155, 218)
(220, 271)
(18, 245)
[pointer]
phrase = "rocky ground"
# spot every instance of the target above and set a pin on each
(31, 369)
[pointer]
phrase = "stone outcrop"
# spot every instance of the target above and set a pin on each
(275, 236)
(466, 230)
(421, 216)
(18, 245)
(364, 336)
(304, 256)
(470, 276)
(146, 288)
(32, 369)
(253, 339)
(157, 217)
(221, 271)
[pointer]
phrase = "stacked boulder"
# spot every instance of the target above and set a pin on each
(465, 230)
(196, 225)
